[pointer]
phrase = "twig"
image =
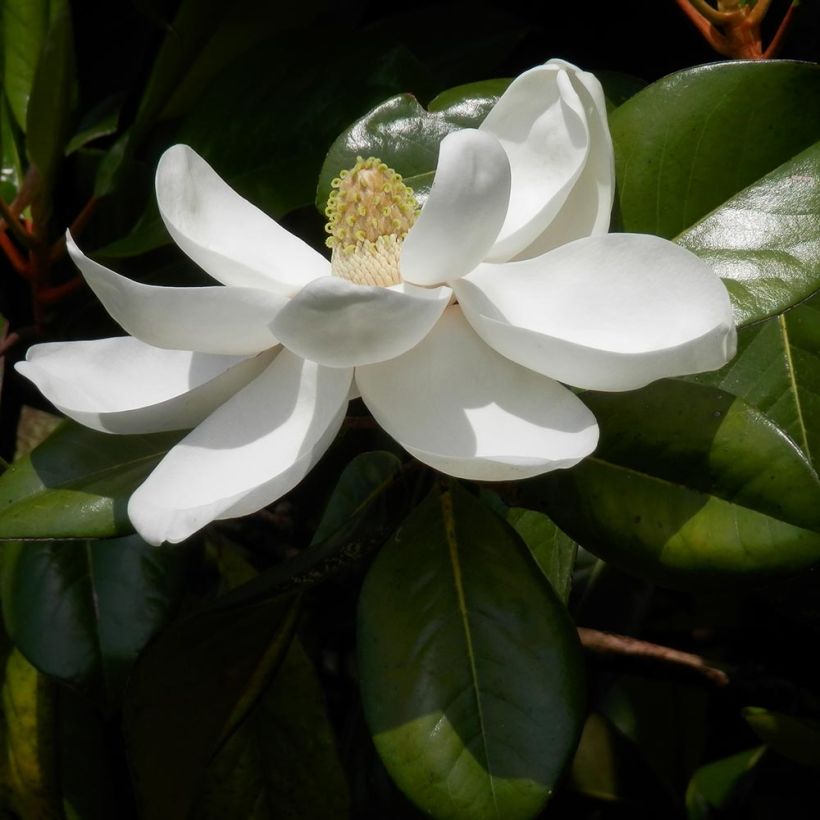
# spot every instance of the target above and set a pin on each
(607, 643)
(10, 218)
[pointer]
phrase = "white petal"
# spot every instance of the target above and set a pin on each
(456, 405)
(610, 312)
(340, 324)
(587, 209)
(226, 235)
(464, 212)
(541, 123)
(250, 451)
(211, 319)
(122, 385)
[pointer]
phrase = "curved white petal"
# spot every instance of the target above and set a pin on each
(464, 212)
(252, 449)
(456, 405)
(541, 123)
(211, 319)
(340, 324)
(588, 207)
(226, 235)
(610, 312)
(123, 385)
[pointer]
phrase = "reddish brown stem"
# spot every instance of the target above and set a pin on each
(606, 643)
(9, 218)
(780, 35)
(13, 255)
(48, 296)
(75, 229)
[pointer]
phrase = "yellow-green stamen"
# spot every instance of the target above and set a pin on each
(370, 210)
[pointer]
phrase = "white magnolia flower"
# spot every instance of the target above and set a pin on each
(505, 284)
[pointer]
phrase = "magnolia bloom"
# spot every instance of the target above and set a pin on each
(454, 323)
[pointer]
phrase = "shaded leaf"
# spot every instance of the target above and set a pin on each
(713, 786)
(363, 479)
(25, 24)
(76, 484)
(282, 762)
(191, 688)
(82, 611)
(52, 99)
(553, 550)
(795, 738)
(471, 675)
(690, 487)
(100, 121)
(765, 241)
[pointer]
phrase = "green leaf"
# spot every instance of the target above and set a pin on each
(690, 487)
(553, 550)
(82, 611)
(101, 121)
(48, 116)
(713, 785)
(28, 740)
(765, 241)
(25, 24)
(366, 476)
(405, 136)
(777, 369)
(76, 484)
(687, 143)
(795, 738)
(471, 674)
(11, 168)
(192, 687)
(282, 762)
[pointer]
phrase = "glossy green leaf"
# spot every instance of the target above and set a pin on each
(192, 687)
(713, 785)
(82, 611)
(690, 487)
(76, 484)
(25, 24)
(282, 762)
(48, 117)
(777, 369)
(366, 476)
(795, 738)
(471, 674)
(403, 134)
(554, 551)
(765, 241)
(689, 142)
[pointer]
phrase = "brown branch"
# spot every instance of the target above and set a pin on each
(607, 643)
(13, 255)
(780, 35)
(10, 218)
(75, 229)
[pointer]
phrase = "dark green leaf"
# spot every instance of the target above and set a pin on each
(765, 241)
(366, 476)
(100, 121)
(795, 738)
(82, 611)
(619, 87)
(687, 143)
(553, 550)
(24, 27)
(690, 487)
(471, 675)
(405, 136)
(191, 688)
(76, 484)
(11, 168)
(282, 762)
(777, 369)
(48, 117)
(714, 784)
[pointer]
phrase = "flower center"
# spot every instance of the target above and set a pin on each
(369, 211)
